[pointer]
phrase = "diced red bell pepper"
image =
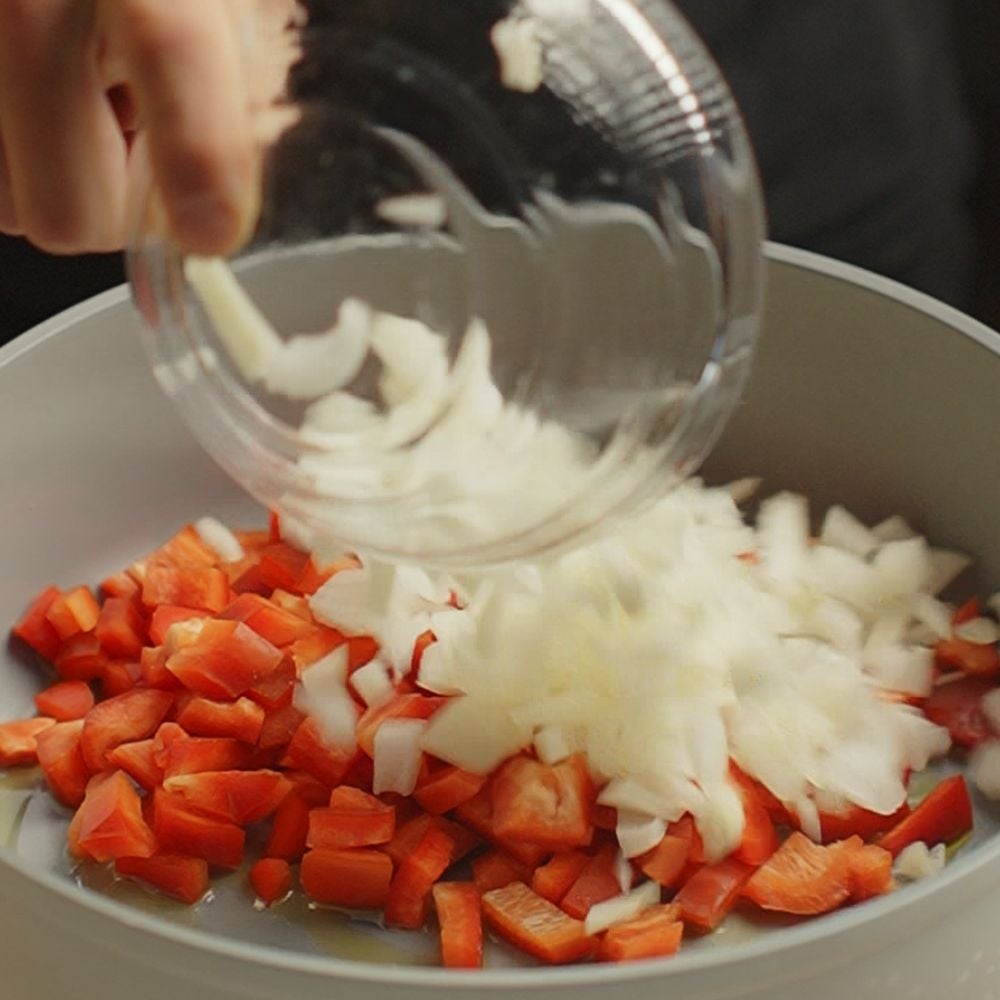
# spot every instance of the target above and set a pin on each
(119, 585)
(315, 645)
(120, 628)
(425, 639)
(447, 788)
(109, 823)
(654, 933)
(186, 548)
(119, 676)
(18, 740)
(353, 819)
(65, 701)
(535, 925)
(153, 665)
(176, 875)
(203, 587)
(802, 878)
(407, 902)
(271, 879)
(289, 829)
(73, 612)
(957, 704)
(666, 862)
(857, 821)
(476, 814)
(544, 804)
(309, 751)
(869, 868)
(34, 627)
(197, 754)
(459, 911)
(279, 727)
(180, 830)
(555, 878)
(224, 660)
(710, 893)
(81, 658)
(411, 831)
(278, 688)
(972, 658)
(61, 758)
(138, 761)
(356, 878)
(242, 719)
(241, 797)
(165, 615)
(279, 626)
(496, 868)
(760, 839)
(596, 883)
(123, 719)
(943, 815)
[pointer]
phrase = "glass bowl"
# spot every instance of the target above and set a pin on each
(523, 243)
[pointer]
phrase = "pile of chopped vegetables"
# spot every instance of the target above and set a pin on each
(592, 757)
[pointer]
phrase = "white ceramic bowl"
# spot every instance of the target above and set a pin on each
(863, 393)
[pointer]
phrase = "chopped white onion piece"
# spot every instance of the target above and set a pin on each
(556, 10)
(985, 768)
(421, 210)
(843, 530)
(373, 683)
(917, 861)
(946, 566)
(745, 489)
(980, 631)
(902, 567)
(248, 336)
(638, 833)
(993, 603)
(908, 670)
(519, 51)
(935, 614)
(322, 693)
(310, 365)
(990, 704)
(219, 538)
(623, 872)
(618, 909)
(457, 733)
(397, 755)
(551, 745)
(893, 529)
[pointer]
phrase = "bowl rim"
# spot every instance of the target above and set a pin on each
(789, 939)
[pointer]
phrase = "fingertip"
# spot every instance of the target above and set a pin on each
(217, 220)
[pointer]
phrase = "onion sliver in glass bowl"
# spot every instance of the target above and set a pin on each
(863, 393)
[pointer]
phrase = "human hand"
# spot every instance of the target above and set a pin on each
(78, 77)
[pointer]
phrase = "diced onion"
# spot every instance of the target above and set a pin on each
(322, 693)
(423, 210)
(246, 333)
(373, 683)
(638, 833)
(618, 909)
(980, 631)
(519, 51)
(985, 769)
(397, 755)
(218, 537)
(918, 861)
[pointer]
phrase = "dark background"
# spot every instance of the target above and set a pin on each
(877, 127)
